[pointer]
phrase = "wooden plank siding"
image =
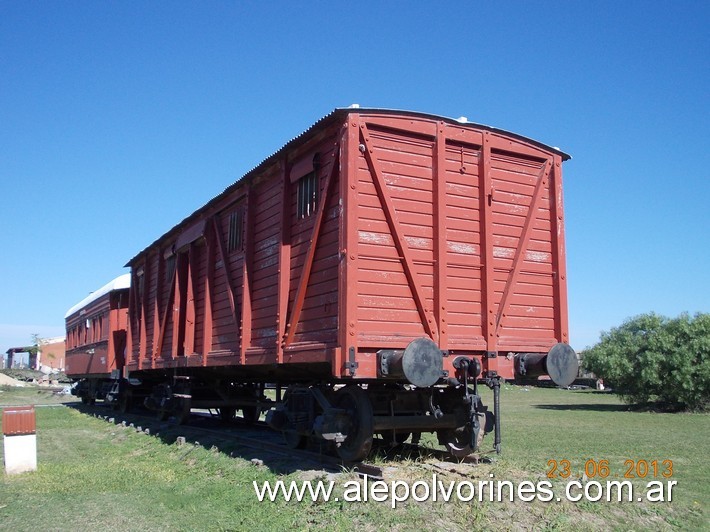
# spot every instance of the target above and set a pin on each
(458, 244)
(423, 227)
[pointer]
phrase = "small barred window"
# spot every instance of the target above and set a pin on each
(307, 199)
(235, 238)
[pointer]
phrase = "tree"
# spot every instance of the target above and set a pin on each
(651, 358)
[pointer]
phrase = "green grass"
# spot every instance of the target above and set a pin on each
(93, 475)
(551, 424)
(31, 395)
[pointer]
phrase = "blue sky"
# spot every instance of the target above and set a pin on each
(118, 119)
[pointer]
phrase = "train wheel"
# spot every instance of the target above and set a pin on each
(294, 440)
(358, 442)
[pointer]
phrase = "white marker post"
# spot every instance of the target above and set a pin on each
(20, 439)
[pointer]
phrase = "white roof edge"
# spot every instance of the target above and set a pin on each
(52, 340)
(123, 281)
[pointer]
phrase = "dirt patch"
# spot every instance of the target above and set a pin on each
(9, 381)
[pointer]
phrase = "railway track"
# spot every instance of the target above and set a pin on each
(256, 441)
(263, 446)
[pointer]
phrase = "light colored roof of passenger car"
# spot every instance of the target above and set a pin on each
(121, 282)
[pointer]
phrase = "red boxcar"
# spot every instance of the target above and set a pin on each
(96, 338)
(378, 249)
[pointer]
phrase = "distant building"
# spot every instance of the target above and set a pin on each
(47, 355)
(16, 357)
(51, 353)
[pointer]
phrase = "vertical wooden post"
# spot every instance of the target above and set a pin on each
(440, 234)
(284, 270)
(133, 327)
(179, 305)
(487, 282)
(208, 283)
(246, 324)
(157, 325)
(129, 339)
(348, 237)
(190, 311)
(143, 334)
(559, 261)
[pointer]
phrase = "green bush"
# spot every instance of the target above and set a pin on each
(651, 358)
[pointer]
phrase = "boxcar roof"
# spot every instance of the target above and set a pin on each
(335, 116)
(121, 282)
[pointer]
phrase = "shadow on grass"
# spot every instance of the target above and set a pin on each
(251, 442)
(236, 439)
(586, 407)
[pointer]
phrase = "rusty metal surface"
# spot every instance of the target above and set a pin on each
(18, 420)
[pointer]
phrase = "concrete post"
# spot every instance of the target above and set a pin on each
(20, 439)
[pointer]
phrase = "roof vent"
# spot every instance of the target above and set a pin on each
(462, 120)
(354, 106)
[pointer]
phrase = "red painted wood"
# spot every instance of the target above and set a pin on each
(519, 251)
(440, 236)
(157, 322)
(207, 305)
(190, 309)
(424, 227)
(98, 350)
(401, 244)
(488, 293)
(284, 270)
(18, 421)
(245, 328)
(313, 242)
(179, 306)
(143, 333)
(158, 345)
(559, 263)
(230, 289)
(349, 248)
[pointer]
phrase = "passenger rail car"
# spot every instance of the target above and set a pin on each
(378, 268)
(96, 339)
